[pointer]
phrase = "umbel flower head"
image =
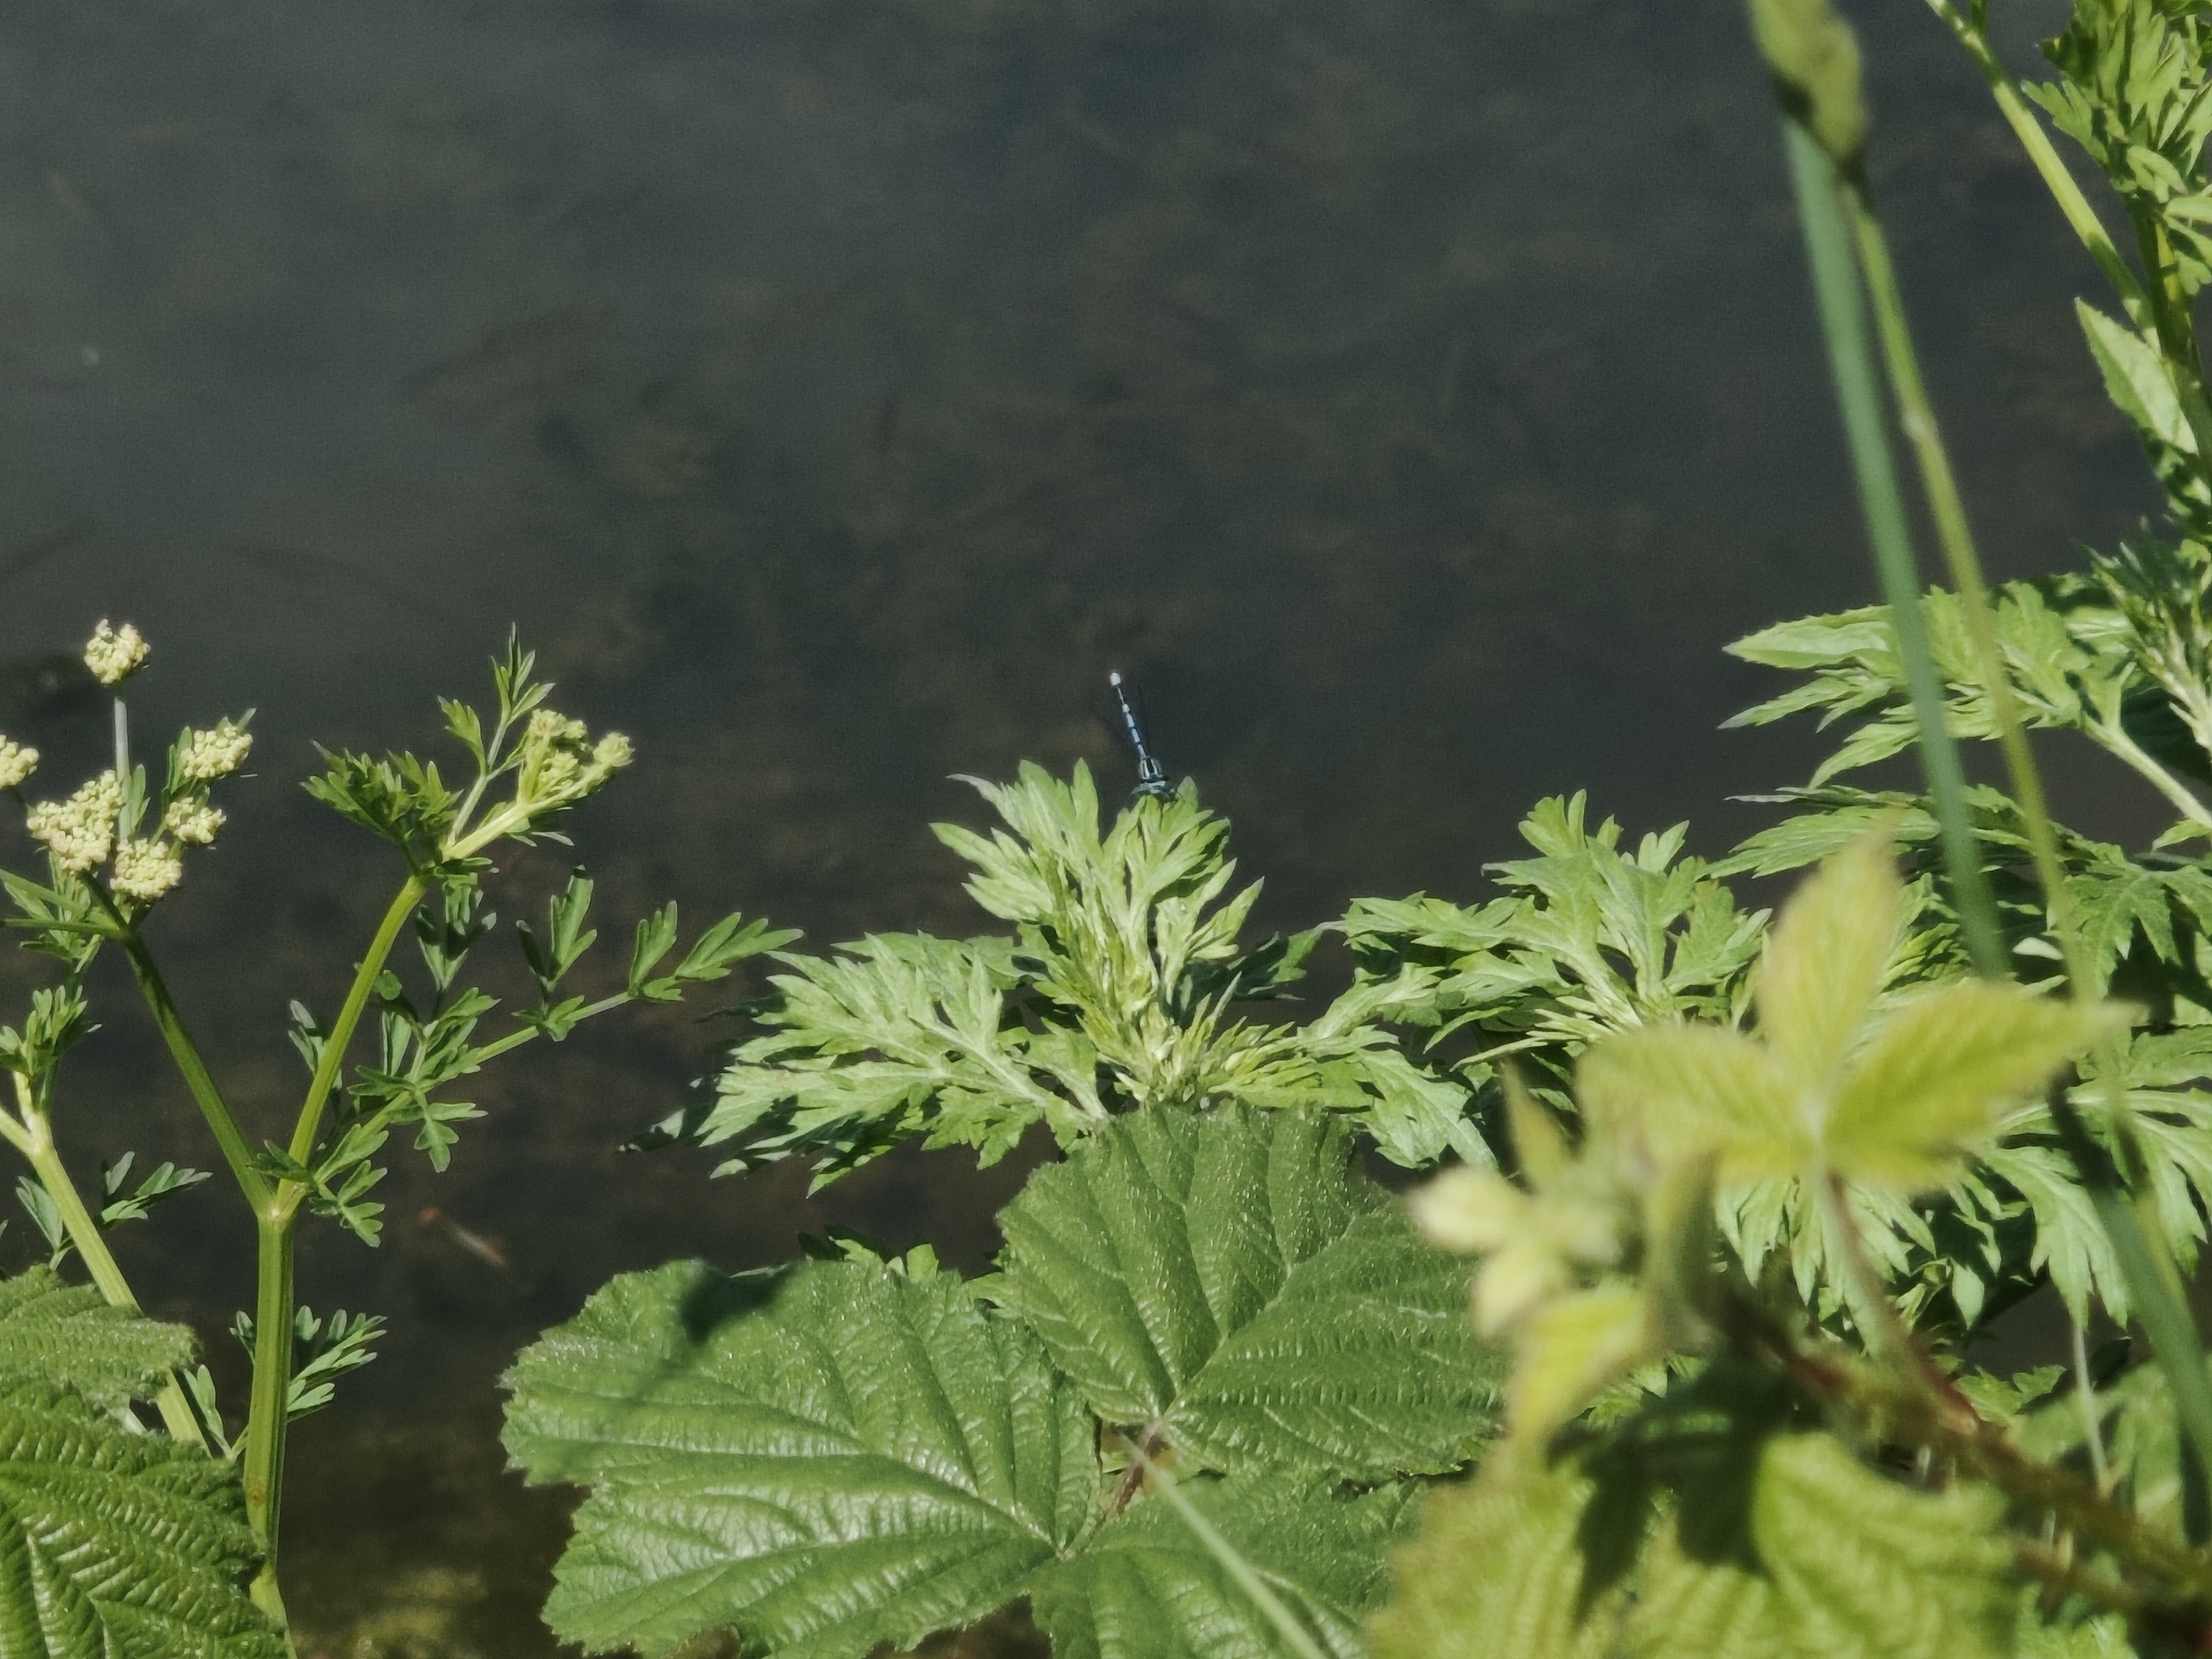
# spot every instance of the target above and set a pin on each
(193, 820)
(145, 870)
(115, 654)
(207, 756)
(80, 832)
(16, 764)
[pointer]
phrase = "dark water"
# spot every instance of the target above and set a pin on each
(1414, 396)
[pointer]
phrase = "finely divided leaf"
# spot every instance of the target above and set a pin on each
(1227, 1275)
(1145, 1588)
(820, 1460)
(118, 1546)
(68, 1337)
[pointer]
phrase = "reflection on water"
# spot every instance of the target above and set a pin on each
(1413, 396)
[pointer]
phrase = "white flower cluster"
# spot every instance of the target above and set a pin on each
(193, 820)
(16, 764)
(115, 654)
(80, 832)
(215, 754)
(144, 870)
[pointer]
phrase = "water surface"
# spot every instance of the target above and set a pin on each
(1413, 396)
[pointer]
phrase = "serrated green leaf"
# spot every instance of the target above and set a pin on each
(1826, 957)
(67, 1336)
(1864, 1568)
(2136, 379)
(1499, 1570)
(1227, 1276)
(1685, 1090)
(118, 1546)
(822, 1460)
(1570, 1350)
(1144, 1588)
(1934, 1078)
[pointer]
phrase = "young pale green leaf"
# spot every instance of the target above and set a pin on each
(1825, 957)
(1499, 1569)
(1688, 1091)
(1143, 1587)
(1688, 1608)
(67, 1336)
(1226, 1274)
(1569, 1351)
(1933, 1079)
(820, 1461)
(116, 1544)
(1860, 1566)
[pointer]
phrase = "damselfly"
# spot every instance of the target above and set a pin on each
(1151, 776)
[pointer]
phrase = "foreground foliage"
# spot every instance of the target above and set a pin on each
(1744, 1191)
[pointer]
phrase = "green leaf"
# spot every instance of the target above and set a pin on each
(820, 1461)
(1861, 1565)
(1688, 1089)
(1570, 1350)
(1813, 53)
(1595, 938)
(1499, 1570)
(1825, 958)
(2136, 379)
(1227, 1276)
(116, 1544)
(1934, 1076)
(1144, 1588)
(67, 1336)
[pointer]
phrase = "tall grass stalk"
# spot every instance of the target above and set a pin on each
(1858, 393)
(1844, 242)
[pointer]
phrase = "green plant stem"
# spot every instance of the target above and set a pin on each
(1929, 1414)
(2115, 741)
(1917, 416)
(33, 1136)
(2045, 158)
(331, 1062)
(2154, 1284)
(237, 1156)
(263, 1462)
(1296, 1635)
(1851, 357)
(268, 1418)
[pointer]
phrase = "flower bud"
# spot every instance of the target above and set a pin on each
(191, 819)
(114, 655)
(215, 754)
(80, 832)
(16, 764)
(145, 870)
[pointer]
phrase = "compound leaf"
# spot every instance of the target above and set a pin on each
(1144, 1588)
(1226, 1275)
(820, 1461)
